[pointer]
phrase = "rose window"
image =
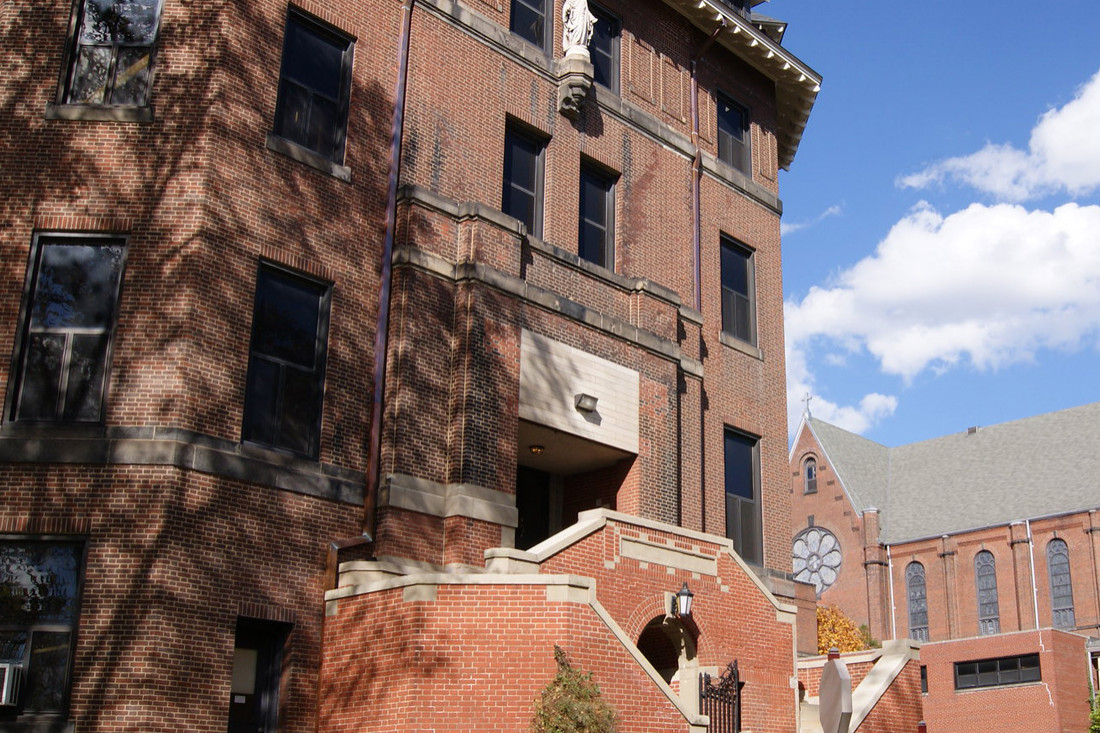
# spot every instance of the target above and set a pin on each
(816, 556)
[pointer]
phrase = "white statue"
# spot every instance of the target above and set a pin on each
(577, 22)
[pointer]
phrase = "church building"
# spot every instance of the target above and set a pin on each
(983, 545)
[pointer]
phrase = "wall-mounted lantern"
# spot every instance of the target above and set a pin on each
(681, 602)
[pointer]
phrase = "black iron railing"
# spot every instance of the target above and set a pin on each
(720, 699)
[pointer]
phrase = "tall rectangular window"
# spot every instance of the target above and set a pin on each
(916, 593)
(596, 235)
(257, 666)
(530, 22)
(286, 370)
(39, 608)
(604, 48)
(738, 291)
(1061, 585)
(742, 473)
(985, 573)
(733, 135)
(111, 60)
(523, 160)
(70, 315)
(314, 87)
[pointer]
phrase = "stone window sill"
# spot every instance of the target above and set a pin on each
(743, 346)
(306, 156)
(98, 113)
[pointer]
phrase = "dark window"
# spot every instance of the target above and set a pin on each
(995, 672)
(985, 572)
(257, 666)
(916, 593)
(73, 286)
(597, 217)
(733, 134)
(1061, 587)
(924, 678)
(810, 476)
(39, 607)
(523, 156)
(286, 371)
(742, 466)
(604, 48)
(111, 61)
(529, 21)
(314, 85)
(738, 291)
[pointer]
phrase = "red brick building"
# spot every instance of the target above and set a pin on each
(363, 352)
(982, 545)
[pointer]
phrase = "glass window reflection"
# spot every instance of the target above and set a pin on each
(39, 605)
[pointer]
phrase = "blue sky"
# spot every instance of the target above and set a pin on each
(941, 220)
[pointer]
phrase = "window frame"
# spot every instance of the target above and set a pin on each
(809, 475)
(17, 383)
(606, 182)
(63, 106)
(737, 156)
(1061, 609)
(278, 138)
(80, 544)
(916, 600)
(515, 133)
(988, 602)
(612, 54)
(545, 11)
(737, 504)
(997, 672)
(746, 254)
(253, 412)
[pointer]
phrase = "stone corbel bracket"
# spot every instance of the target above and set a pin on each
(575, 74)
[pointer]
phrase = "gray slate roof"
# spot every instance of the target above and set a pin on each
(1036, 467)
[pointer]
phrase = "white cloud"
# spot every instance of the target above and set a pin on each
(786, 228)
(985, 287)
(1063, 155)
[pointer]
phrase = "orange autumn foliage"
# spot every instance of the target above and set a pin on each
(836, 629)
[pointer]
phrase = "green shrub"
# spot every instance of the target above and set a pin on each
(869, 641)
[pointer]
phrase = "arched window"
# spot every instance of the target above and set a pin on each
(809, 476)
(917, 594)
(985, 573)
(1061, 587)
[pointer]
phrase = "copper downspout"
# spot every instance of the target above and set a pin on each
(696, 235)
(381, 331)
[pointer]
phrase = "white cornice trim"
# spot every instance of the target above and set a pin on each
(796, 84)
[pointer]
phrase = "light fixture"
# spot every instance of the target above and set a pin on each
(585, 402)
(537, 449)
(681, 602)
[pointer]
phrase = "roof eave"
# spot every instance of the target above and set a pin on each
(796, 84)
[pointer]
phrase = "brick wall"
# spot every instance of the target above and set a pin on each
(899, 708)
(441, 663)
(173, 558)
(1058, 703)
(831, 508)
(178, 545)
(438, 642)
